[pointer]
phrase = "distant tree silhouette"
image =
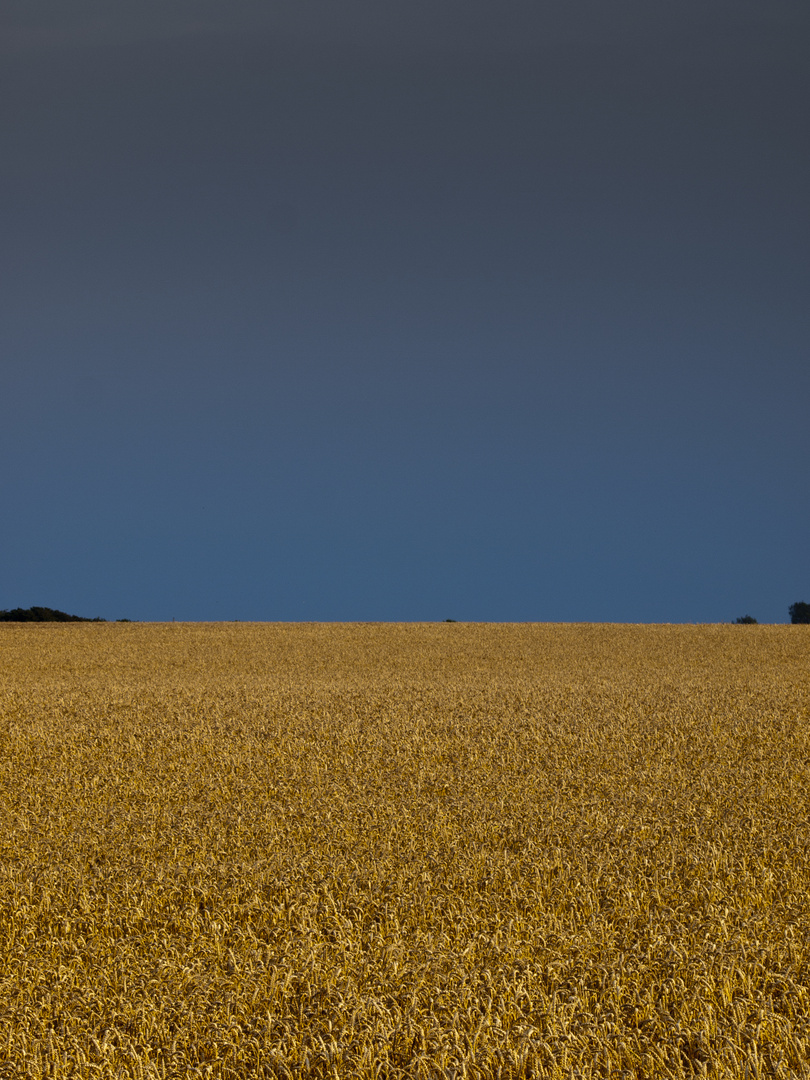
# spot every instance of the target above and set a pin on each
(41, 614)
(746, 619)
(799, 613)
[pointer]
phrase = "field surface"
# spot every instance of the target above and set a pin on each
(406, 850)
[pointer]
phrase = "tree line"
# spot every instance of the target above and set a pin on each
(42, 614)
(799, 613)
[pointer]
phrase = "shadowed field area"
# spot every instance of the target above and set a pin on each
(405, 850)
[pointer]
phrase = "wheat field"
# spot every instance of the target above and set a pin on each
(404, 850)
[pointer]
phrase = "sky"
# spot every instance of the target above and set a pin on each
(383, 310)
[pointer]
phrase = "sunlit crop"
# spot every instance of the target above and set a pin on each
(379, 851)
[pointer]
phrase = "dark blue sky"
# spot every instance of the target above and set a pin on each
(405, 311)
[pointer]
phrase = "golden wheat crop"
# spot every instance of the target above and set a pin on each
(379, 851)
